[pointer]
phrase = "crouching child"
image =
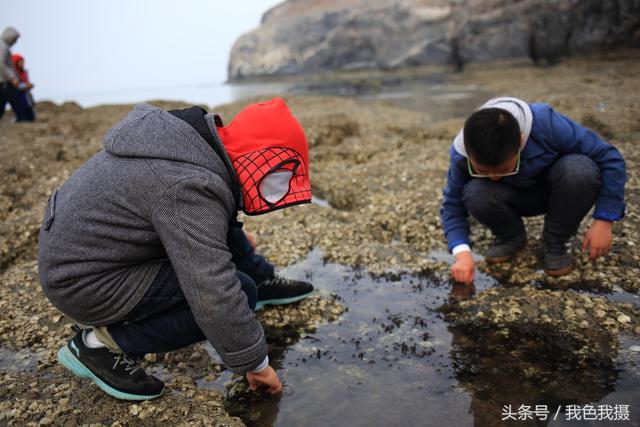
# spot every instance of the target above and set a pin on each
(513, 160)
(142, 247)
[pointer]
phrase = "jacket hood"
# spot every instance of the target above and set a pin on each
(149, 132)
(10, 36)
(269, 152)
(517, 107)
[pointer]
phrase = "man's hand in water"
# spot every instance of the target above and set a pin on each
(464, 268)
(598, 239)
(267, 377)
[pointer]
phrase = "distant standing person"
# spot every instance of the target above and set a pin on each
(24, 87)
(513, 159)
(9, 79)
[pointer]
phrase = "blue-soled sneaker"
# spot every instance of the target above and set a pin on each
(115, 373)
(279, 290)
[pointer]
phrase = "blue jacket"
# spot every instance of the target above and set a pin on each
(552, 136)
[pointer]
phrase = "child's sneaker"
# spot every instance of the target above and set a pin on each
(115, 373)
(556, 260)
(502, 250)
(280, 290)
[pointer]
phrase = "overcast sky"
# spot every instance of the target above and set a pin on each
(79, 46)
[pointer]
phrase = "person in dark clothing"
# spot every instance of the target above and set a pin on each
(513, 160)
(142, 244)
(9, 79)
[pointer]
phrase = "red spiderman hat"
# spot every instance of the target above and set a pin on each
(269, 152)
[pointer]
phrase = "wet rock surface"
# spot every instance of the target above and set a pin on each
(381, 169)
(582, 328)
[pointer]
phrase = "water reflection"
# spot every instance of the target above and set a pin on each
(500, 370)
(461, 292)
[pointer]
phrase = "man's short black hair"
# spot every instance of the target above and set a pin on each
(491, 136)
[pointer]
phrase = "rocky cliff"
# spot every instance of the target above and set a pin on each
(300, 36)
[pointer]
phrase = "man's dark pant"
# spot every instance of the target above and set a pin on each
(9, 93)
(565, 194)
(162, 321)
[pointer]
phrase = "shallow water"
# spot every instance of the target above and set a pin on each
(431, 93)
(393, 359)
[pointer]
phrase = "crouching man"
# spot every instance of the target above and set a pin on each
(513, 160)
(142, 246)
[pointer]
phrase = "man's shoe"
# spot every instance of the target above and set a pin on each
(502, 250)
(280, 290)
(556, 260)
(115, 373)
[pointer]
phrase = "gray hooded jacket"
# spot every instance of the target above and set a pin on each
(156, 191)
(8, 39)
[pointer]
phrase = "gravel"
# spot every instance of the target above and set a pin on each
(381, 168)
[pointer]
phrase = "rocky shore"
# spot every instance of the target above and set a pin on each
(310, 36)
(381, 169)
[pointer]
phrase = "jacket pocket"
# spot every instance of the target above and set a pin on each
(50, 213)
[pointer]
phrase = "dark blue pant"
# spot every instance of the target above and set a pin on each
(564, 195)
(26, 104)
(9, 93)
(162, 321)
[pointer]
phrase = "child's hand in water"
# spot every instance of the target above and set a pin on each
(464, 268)
(267, 377)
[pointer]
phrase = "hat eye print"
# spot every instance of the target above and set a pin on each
(275, 185)
(272, 178)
